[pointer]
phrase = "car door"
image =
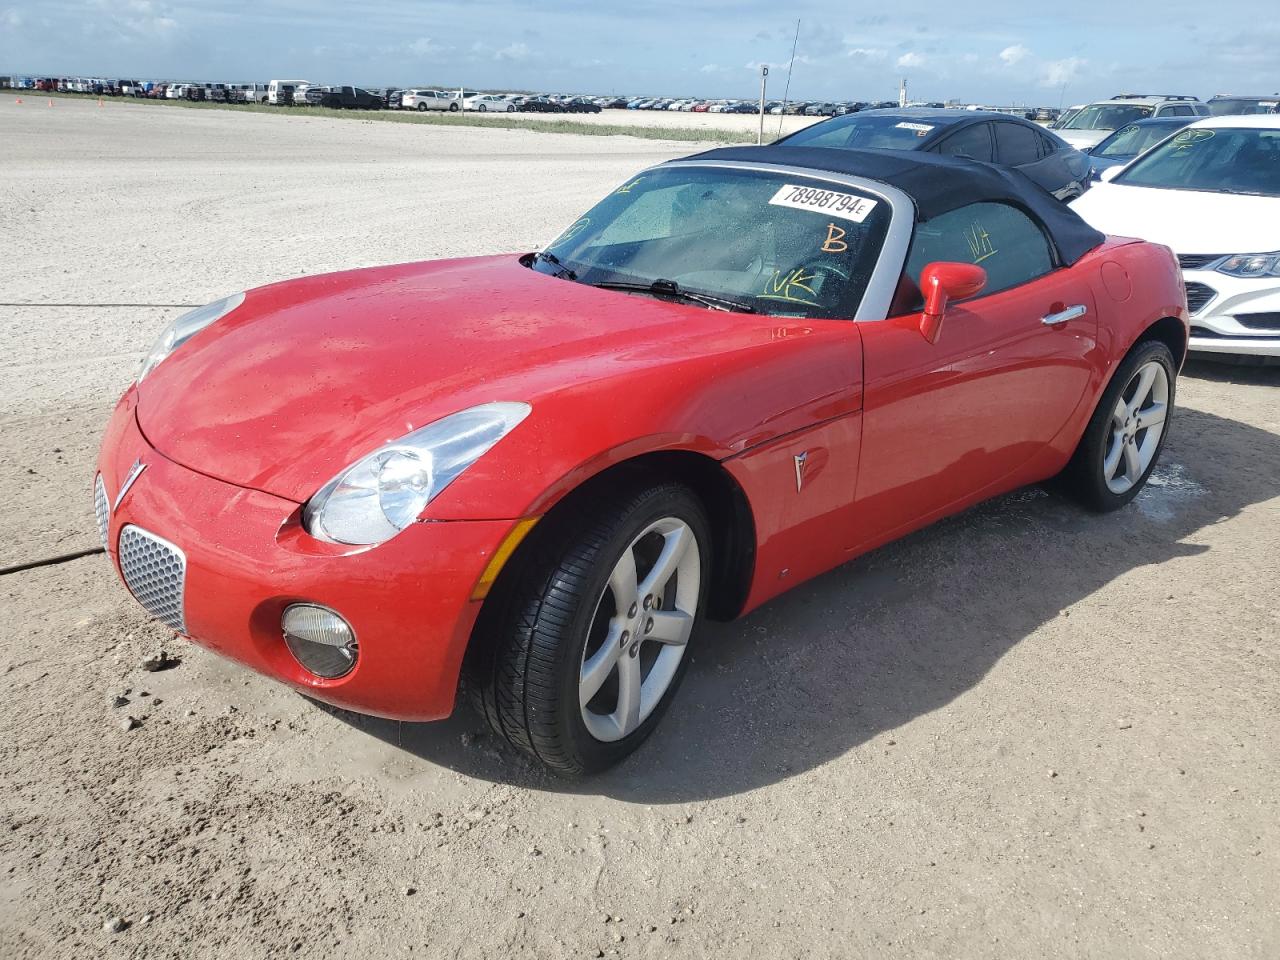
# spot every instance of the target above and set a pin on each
(948, 422)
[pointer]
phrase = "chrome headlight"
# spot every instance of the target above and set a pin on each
(185, 327)
(378, 496)
(1250, 265)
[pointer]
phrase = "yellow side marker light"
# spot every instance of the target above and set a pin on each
(501, 556)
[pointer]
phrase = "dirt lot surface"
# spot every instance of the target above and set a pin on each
(1026, 732)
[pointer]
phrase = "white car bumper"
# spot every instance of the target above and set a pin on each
(1233, 315)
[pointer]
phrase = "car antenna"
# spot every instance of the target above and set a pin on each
(787, 89)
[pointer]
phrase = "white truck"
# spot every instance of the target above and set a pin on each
(280, 93)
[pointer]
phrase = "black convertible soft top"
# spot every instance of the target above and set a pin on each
(936, 183)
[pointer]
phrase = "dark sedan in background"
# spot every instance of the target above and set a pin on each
(998, 138)
(1130, 140)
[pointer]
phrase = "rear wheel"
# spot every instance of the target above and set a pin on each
(578, 657)
(422, 107)
(453, 107)
(1122, 443)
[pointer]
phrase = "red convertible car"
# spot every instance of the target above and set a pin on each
(530, 477)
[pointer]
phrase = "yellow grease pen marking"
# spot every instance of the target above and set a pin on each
(835, 240)
(979, 241)
(574, 229)
(782, 286)
(627, 188)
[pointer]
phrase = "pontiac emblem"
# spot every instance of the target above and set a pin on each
(134, 473)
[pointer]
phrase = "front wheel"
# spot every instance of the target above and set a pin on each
(1122, 444)
(422, 108)
(483, 108)
(453, 107)
(581, 653)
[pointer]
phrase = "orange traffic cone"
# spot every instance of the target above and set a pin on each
(99, 101)
(19, 101)
(51, 101)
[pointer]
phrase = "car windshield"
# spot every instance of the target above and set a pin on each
(859, 130)
(1106, 116)
(1066, 118)
(1132, 140)
(1243, 106)
(771, 243)
(1214, 160)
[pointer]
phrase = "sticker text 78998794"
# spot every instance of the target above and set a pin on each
(830, 202)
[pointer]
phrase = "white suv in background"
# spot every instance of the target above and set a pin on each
(1092, 124)
(1211, 192)
(428, 100)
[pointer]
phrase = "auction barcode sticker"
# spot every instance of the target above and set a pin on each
(849, 206)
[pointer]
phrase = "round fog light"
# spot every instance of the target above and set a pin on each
(319, 639)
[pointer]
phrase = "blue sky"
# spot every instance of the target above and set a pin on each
(1000, 52)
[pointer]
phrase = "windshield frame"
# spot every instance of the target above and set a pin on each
(883, 283)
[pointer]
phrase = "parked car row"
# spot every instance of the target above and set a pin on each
(1210, 190)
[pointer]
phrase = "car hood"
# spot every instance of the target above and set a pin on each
(1084, 139)
(307, 376)
(1185, 220)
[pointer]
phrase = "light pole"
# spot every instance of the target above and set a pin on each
(764, 78)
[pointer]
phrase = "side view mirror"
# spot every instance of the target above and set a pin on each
(941, 283)
(1111, 173)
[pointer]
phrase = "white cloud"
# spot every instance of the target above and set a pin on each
(11, 18)
(711, 68)
(911, 59)
(1014, 55)
(514, 51)
(1057, 72)
(425, 47)
(866, 53)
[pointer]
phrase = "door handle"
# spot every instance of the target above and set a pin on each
(1062, 316)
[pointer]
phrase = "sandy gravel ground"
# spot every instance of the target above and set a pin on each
(1026, 732)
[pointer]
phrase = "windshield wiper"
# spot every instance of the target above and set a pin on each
(669, 288)
(555, 261)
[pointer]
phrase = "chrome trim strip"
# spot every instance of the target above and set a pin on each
(878, 296)
(134, 473)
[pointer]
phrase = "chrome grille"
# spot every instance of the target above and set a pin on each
(101, 510)
(155, 571)
(1199, 295)
(1194, 261)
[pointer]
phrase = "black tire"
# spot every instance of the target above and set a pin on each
(483, 108)
(453, 107)
(522, 671)
(1083, 478)
(422, 107)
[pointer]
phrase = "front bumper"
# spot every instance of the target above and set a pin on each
(1239, 316)
(247, 558)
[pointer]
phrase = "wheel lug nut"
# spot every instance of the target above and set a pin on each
(635, 649)
(633, 611)
(648, 602)
(626, 636)
(648, 625)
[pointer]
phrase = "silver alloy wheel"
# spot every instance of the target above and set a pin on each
(640, 629)
(1137, 423)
